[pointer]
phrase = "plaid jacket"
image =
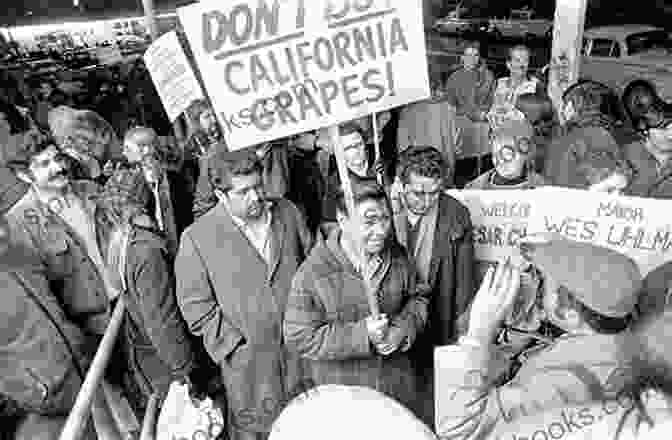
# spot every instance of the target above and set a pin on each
(324, 321)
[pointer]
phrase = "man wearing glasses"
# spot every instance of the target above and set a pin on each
(511, 147)
(650, 159)
(436, 230)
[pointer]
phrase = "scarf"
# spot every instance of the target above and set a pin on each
(424, 243)
(372, 267)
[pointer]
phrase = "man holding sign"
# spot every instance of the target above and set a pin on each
(329, 320)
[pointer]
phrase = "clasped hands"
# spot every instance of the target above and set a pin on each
(387, 337)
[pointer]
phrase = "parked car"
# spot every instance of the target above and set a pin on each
(629, 57)
(522, 24)
(461, 21)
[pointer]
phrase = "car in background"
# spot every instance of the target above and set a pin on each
(461, 21)
(522, 24)
(78, 58)
(629, 58)
(131, 44)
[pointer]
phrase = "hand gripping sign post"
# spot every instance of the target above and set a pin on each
(274, 68)
(172, 75)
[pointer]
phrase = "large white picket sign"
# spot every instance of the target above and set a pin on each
(172, 75)
(637, 227)
(500, 219)
(273, 68)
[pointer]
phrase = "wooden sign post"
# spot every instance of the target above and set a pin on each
(335, 139)
(570, 16)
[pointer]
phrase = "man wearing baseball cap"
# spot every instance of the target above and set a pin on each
(588, 292)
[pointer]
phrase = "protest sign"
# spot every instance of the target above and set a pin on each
(636, 227)
(172, 75)
(109, 55)
(274, 68)
(500, 218)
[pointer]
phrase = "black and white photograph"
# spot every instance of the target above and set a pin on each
(335, 220)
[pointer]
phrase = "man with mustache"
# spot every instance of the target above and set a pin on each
(234, 270)
(55, 220)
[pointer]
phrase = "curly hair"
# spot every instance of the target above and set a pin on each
(424, 161)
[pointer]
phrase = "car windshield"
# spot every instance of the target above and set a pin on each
(645, 41)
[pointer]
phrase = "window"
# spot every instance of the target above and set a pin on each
(603, 47)
(652, 40)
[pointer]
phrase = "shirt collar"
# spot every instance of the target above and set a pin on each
(242, 223)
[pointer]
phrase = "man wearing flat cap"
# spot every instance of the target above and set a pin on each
(589, 293)
(234, 270)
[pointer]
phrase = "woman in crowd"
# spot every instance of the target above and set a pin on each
(156, 343)
(509, 88)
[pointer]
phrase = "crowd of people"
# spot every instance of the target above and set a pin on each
(246, 275)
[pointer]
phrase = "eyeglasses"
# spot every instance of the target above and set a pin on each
(508, 152)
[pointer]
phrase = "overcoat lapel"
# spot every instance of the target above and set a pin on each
(277, 241)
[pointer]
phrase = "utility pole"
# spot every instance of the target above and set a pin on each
(150, 18)
(570, 16)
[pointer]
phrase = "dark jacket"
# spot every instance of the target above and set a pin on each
(44, 355)
(590, 134)
(451, 279)
(325, 320)
(236, 302)
(198, 146)
(649, 179)
(470, 92)
(157, 344)
(73, 276)
(450, 273)
(306, 185)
